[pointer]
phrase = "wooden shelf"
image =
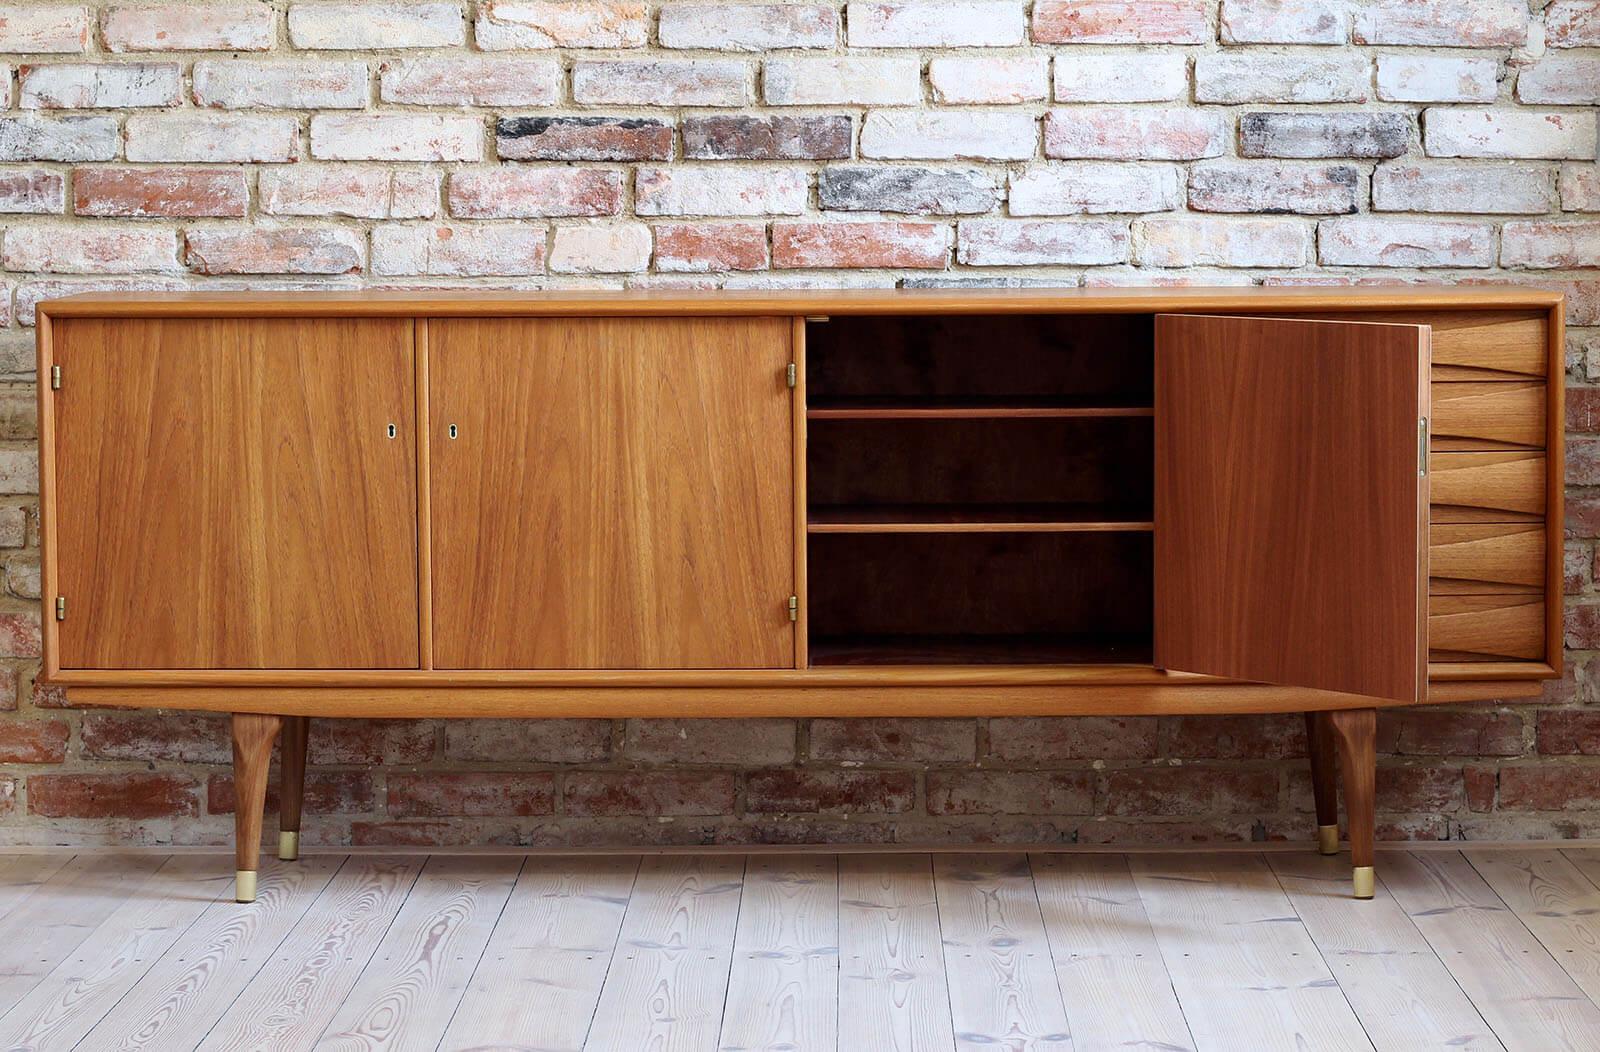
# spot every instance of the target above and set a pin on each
(979, 650)
(934, 408)
(976, 518)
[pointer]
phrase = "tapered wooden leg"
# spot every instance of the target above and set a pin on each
(292, 785)
(1324, 780)
(1356, 731)
(252, 753)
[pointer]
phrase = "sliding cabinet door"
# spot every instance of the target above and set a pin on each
(235, 493)
(611, 493)
(1291, 506)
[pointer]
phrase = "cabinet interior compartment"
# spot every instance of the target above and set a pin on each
(979, 489)
(980, 598)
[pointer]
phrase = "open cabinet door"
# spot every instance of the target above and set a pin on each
(1291, 502)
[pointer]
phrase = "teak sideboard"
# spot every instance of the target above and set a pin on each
(941, 503)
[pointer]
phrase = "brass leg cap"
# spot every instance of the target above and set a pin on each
(244, 885)
(1365, 879)
(1328, 840)
(289, 845)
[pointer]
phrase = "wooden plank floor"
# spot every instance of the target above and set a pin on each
(1484, 948)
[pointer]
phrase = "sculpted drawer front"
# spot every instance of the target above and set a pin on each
(1504, 486)
(1486, 558)
(1505, 414)
(1486, 627)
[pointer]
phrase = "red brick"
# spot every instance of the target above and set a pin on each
(1550, 787)
(33, 741)
(164, 192)
(1420, 788)
(591, 793)
(8, 796)
(427, 834)
(135, 795)
(894, 740)
(1583, 626)
(1482, 783)
(1572, 23)
(371, 741)
(1010, 792)
(1187, 789)
(304, 250)
(527, 741)
(1437, 732)
(519, 193)
(1578, 557)
(1583, 409)
(745, 742)
(19, 635)
(1121, 22)
(8, 690)
(1583, 461)
(705, 247)
(1569, 732)
(726, 136)
(33, 190)
(865, 244)
(583, 139)
(1046, 740)
(326, 793)
(830, 792)
(473, 793)
(1234, 737)
(176, 737)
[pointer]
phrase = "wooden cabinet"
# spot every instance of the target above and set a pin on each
(825, 503)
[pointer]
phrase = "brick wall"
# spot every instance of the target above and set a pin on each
(517, 144)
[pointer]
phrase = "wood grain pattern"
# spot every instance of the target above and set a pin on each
(1486, 627)
(1245, 408)
(1475, 345)
(892, 991)
(1402, 993)
(21, 876)
(1003, 991)
(618, 496)
(797, 410)
(1520, 990)
(1555, 901)
(294, 995)
(1505, 415)
(277, 521)
(419, 972)
(253, 735)
(1485, 558)
(1487, 487)
(1354, 732)
(1241, 961)
(189, 990)
(541, 973)
(1109, 967)
(669, 976)
(784, 984)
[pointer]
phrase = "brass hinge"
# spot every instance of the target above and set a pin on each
(791, 374)
(1422, 448)
(55, 378)
(794, 608)
(61, 608)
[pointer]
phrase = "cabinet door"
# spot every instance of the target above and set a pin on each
(1291, 504)
(611, 493)
(228, 494)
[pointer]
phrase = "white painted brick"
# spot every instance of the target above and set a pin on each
(1230, 77)
(1513, 189)
(1572, 23)
(1041, 242)
(1275, 186)
(1120, 133)
(467, 250)
(1141, 77)
(519, 192)
(747, 27)
(472, 80)
(1508, 133)
(1443, 23)
(1580, 190)
(1285, 22)
(189, 27)
(396, 137)
(274, 250)
(347, 190)
(207, 137)
(233, 84)
(58, 138)
(1122, 22)
(615, 248)
(515, 24)
(985, 134)
(990, 79)
(1391, 242)
(1561, 80)
(1437, 78)
(951, 23)
(39, 28)
(842, 81)
(108, 85)
(1091, 186)
(90, 249)
(1545, 245)
(720, 191)
(367, 25)
(1183, 241)
(662, 82)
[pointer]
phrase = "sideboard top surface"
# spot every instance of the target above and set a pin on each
(801, 302)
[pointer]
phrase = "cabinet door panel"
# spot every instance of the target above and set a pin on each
(618, 493)
(1290, 512)
(228, 496)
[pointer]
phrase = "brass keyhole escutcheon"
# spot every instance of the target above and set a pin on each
(452, 431)
(393, 431)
